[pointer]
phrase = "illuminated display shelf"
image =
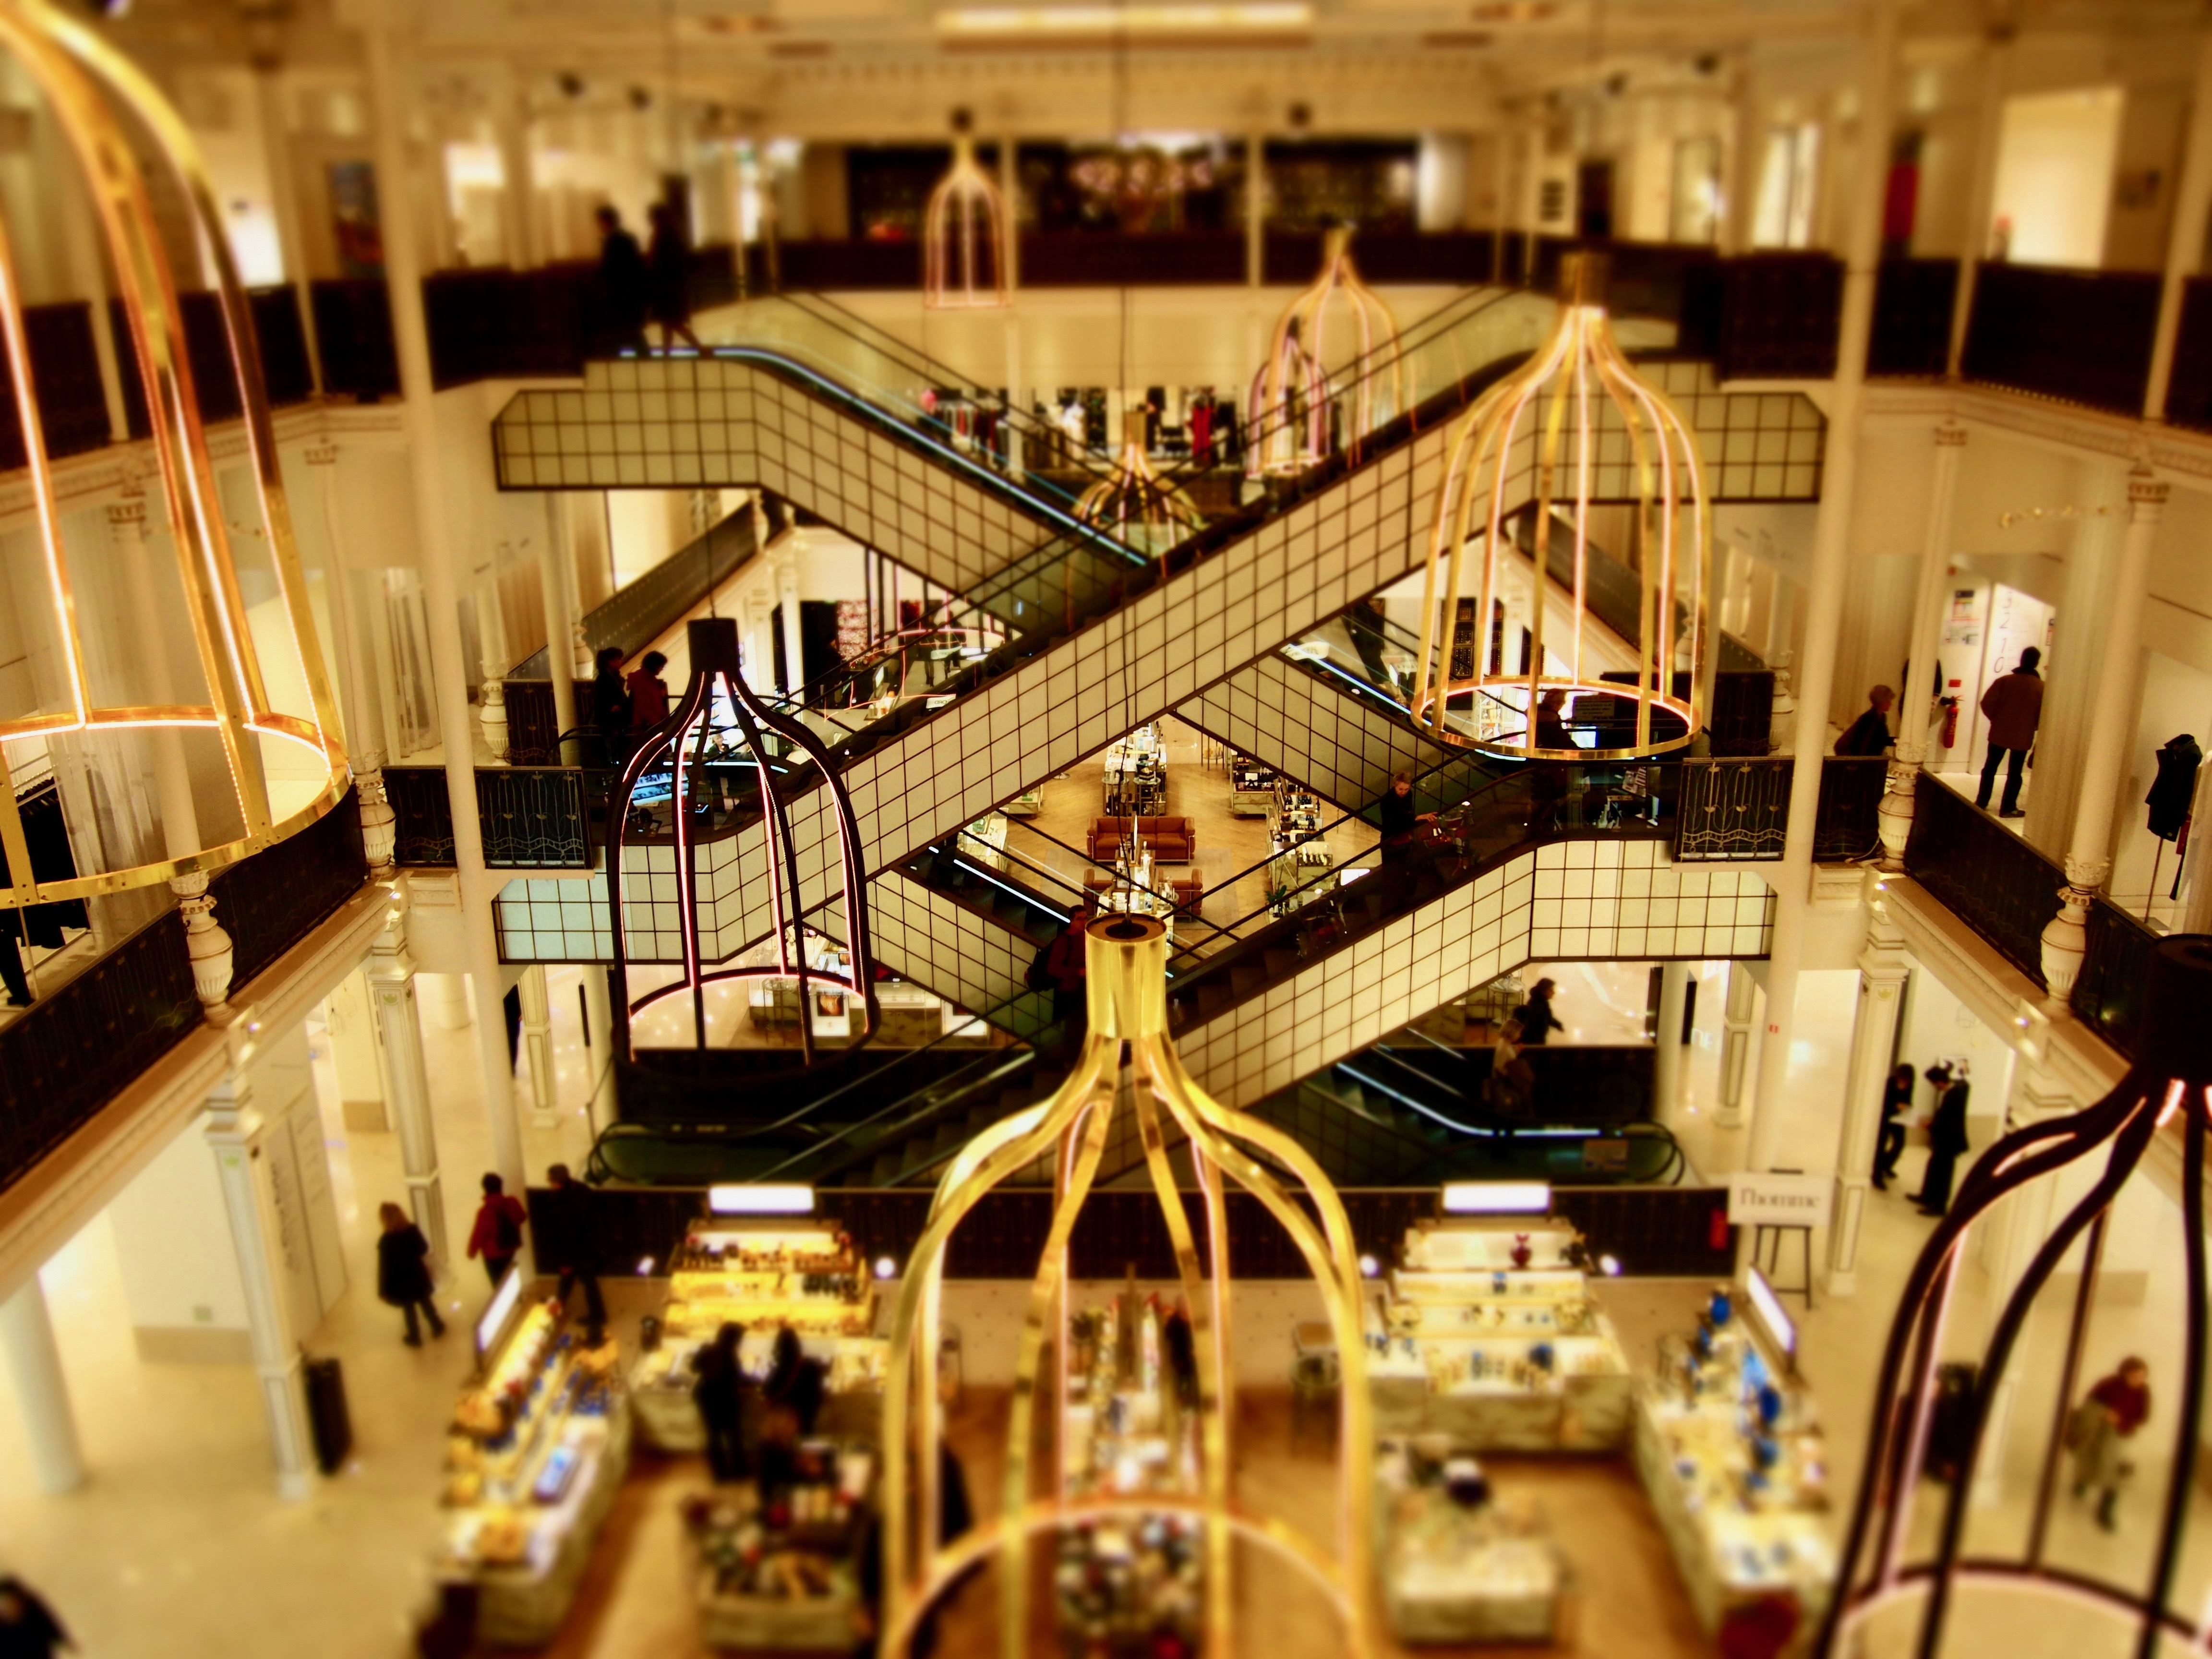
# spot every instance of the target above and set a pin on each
(1497, 1357)
(1456, 1573)
(1741, 1534)
(761, 1275)
(537, 1451)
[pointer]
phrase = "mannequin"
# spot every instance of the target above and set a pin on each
(2171, 792)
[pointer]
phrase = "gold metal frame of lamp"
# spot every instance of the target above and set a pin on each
(1127, 995)
(84, 81)
(1472, 504)
(1296, 369)
(1136, 505)
(949, 269)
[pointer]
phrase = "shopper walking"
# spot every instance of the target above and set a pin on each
(795, 1382)
(668, 267)
(648, 693)
(622, 285)
(403, 1272)
(1946, 1139)
(718, 1389)
(2014, 704)
(2099, 1431)
(1869, 732)
(28, 1629)
(1402, 823)
(497, 1235)
(564, 1241)
(1536, 1018)
(1896, 1102)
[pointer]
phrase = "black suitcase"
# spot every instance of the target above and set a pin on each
(326, 1414)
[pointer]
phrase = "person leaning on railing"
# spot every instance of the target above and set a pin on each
(1869, 733)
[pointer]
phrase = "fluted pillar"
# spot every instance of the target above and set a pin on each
(1882, 972)
(390, 972)
(232, 1124)
(1738, 1022)
(1913, 715)
(1981, 189)
(538, 1043)
(2106, 740)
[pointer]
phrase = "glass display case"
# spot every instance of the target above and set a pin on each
(1251, 789)
(1460, 1563)
(537, 1446)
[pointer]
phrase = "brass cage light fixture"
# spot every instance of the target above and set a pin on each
(1288, 414)
(1135, 504)
(964, 235)
(99, 99)
(1576, 410)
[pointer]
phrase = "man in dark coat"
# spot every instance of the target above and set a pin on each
(622, 284)
(2013, 703)
(1946, 1139)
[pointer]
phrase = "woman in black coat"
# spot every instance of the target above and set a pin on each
(402, 1272)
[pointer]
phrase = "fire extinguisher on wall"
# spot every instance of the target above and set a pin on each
(1950, 722)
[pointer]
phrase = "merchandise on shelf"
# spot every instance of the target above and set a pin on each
(776, 1570)
(536, 1450)
(1730, 1450)
(1460, 1563)
(1473, 1340)
(1251, 789)
(762, 1276)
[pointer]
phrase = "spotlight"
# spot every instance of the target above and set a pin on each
(645, 1266)
(1368, 1267)
(1609, 1266)
(885, 1267)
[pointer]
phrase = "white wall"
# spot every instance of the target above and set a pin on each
(181, 1277)
(2054, 182)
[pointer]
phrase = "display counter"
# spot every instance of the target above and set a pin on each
(764, 1276)
(1460, 1563)
(1499, 1359)
(535, 1452)
(1252, 788)
(1731, 1454)
(780, 1575)
(1127, 1585)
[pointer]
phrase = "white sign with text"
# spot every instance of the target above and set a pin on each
(1779, 1200)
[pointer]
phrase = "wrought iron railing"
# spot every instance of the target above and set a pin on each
(275, 899)
(1847, 825)
(1982, 873)
(2108, 992)
(534, 818)
(1912, 304)
(2082, 336)
(1733, 810)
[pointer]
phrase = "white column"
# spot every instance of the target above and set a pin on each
(1674, 998)
(786, 596)
(1009, 175)
(441, 604)
(391, 974)
(2024, 1223)
(2184, 241)
(276, 1358)
(1982, 190)
(35, 1364)
(1739, 1022)
(556, 593)
(1916, 699)
(284, 195)
(354, 1055)
(1255, 210)
(2106, 742)
(1745, 145)
(1882, 972)
(362, 695)
(538, 1043)
(601, 1106)
(1824, 600)
(88, 277)
(518, 204)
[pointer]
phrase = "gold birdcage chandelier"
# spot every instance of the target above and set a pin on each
(1126, 991)
(1134, 503)
(1575, 427)
(1291, 410)
(964, 234)
(92, 689)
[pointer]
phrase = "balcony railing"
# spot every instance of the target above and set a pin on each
(1779, 316)
(1913, 300)
(2189, 393)
(2083, 337)
(2108, 992)
(70, 1054)
(1738, 809)
(534, 818)
(1982, 873)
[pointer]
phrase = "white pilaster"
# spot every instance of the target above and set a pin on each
(284, 191)
(600, 1109)
(1882, 971)
(1824, 598)
(1981, 191)
(538, 1043)
(1674, 998)
(517, 205)
(1915, 706)
(786, 597)
(276, 1359)
(35, 1364)
(1746, 144)
(390, 972)
(1255, 210)
(2111, 714)
(2184, 241)
(556, 585)
(1738, 1021)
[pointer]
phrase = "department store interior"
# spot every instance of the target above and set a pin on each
(1295, 827)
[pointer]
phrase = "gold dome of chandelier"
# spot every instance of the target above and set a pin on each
(286, 768)
(964, 234)
(1135, 504)
(1125, 989)
(1575, 427)
(1288, 413)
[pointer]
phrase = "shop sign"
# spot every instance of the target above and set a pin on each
(1779, 1200)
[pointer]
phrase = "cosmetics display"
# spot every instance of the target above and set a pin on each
(1462, 1562)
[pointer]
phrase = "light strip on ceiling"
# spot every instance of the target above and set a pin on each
(1270, 17)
